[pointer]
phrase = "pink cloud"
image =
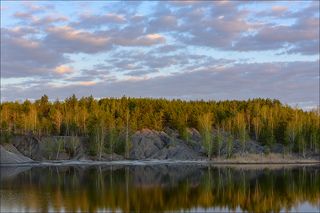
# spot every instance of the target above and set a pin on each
(87, 83)
(146, 40)
(63, 69)
(71, 34)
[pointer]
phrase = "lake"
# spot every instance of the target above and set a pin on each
(160, 188)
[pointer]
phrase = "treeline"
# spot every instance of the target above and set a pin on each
(110, 119)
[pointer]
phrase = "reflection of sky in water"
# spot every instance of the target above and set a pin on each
(179, 188)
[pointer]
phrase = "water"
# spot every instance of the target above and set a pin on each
(160, 188)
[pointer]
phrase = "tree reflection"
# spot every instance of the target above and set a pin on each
(161, 188)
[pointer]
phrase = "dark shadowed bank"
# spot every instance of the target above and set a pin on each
(146, 145)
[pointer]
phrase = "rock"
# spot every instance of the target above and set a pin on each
(29, 146)
(251, 147)
(277, 148)
(146, 143)
(194, 134)
(178, 150)
(171, 132)
(149, 144)
(11, 155)
(195, 140)
(176, 153)
(254, 148)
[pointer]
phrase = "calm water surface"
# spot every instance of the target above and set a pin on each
(160, 188)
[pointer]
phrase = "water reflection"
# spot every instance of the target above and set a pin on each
(159, 188)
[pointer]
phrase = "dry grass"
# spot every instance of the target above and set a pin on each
(266, 159)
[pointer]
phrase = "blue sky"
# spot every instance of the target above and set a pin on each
(190, 50)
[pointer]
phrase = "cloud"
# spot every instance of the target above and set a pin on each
(276, 37)
(290, 82)
(47, 20)
(305, 48)
(151, 62)
(94, 21)
(279, 8)
(87, 83)
(22, 56)
(167, 49)
(145, 40)
(63, 69)
(69, 40)
(138, 73)
(34, 8)
(227, 26)
(213, 24)
(19, 31)
(32, 14)
(23, 15)
(163, 23)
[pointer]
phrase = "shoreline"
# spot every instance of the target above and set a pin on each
(155, 162)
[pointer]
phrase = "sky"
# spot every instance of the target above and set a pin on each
(192, 50)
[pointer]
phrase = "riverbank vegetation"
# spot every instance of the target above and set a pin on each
(109, 122)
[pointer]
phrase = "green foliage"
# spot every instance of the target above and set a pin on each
(120, 146)
(218, 139)
(109, 121)
(5, 137)
(267, 150)
(280, 133)
(112, 138)
(184, 134)
(205, 122)
(50, 148)
(229, 145)
(71, 145)
(266, 136)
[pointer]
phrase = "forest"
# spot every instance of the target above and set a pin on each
(111, 121)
